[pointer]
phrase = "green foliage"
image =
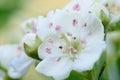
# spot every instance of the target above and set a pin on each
(7, 8)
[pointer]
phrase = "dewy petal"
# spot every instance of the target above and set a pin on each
(7, 53)
(58, 67)
(50, 47)
(20, 66)
(89, 56)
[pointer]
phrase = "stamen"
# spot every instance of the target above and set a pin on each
(70, 48)
(48, 50)
(75, 22)
(76, 7)
(50, 40)
(34, 27)
(50, 25)
(58, 59)
(69, 34)
(19, 48)
(74, 38)
(57, 28)
(60, 47)
(106, 5)
(66, 39)
(113, 4)
(89, 12)
(84, 25)
(83, 41)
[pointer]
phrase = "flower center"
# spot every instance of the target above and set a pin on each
(73, 47)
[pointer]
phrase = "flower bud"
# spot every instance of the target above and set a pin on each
(114, 23)
(31, 44)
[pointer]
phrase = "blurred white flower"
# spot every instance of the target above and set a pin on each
(29, 26)
(112, 5)
(75, 42)
(14, 59)
(84, 6)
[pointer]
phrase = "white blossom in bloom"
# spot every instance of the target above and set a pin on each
(21, 63)
(112, 5)
(14, 59)
(29, 26)
(75, 42)
(86, 6)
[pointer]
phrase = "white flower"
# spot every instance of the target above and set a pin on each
(77, 44)
(14, 59)
(112, 5)
(29, 26)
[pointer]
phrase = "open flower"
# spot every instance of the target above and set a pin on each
(77, 44)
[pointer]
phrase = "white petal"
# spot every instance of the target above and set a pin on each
(44, 27)
(58, 67)
(50, 47)
(7, 53)
(88, 25)
(89, 56)
(20, 66)
(94, 29)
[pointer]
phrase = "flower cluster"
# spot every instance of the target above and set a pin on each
(72, 38)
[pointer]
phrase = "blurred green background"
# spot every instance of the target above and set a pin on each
(14, 12)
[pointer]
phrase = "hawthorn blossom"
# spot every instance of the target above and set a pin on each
(74, 41)
(21, 63)
(112, 5)
(14, 59)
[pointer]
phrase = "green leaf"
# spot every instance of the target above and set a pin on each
(98, 70)
(9, 78)
(94, 74)
(76, 76)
